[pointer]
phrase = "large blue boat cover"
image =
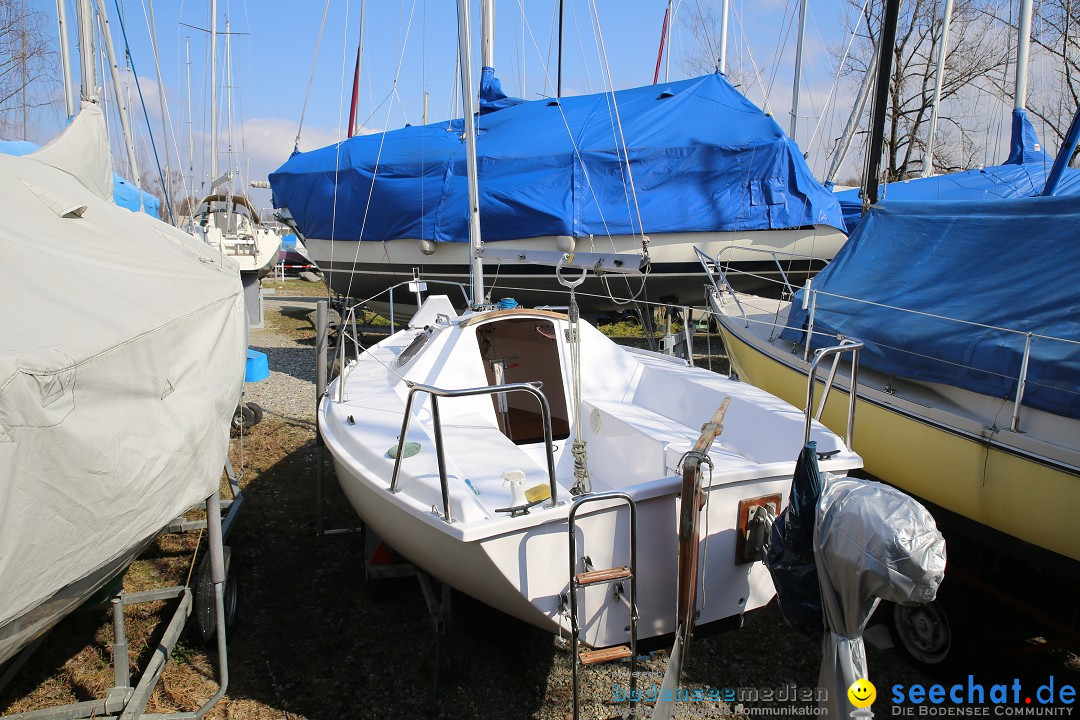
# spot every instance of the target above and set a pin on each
(703, 158)
(125, 194)
(1003, 263)
(1023, 174)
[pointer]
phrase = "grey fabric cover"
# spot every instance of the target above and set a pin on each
(872, 543)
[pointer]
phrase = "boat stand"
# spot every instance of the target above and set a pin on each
(127, 702)
(439, 611)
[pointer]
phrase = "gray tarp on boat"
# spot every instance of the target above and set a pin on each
(122, 345)
(872, 543)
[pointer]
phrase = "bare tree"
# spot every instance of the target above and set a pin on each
(978, 48)
(28, 66)
(1055, 83)
(702, 22)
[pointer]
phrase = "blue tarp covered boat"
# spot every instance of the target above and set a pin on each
(957, 269)
(1023, 174)
(703, 160)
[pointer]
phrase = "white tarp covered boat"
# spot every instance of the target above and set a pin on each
(121, 362)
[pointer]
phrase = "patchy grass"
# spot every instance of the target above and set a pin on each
(293, 286)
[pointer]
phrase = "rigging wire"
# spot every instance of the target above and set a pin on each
(311, 79)
(146, 115)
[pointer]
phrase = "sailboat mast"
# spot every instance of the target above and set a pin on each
(121, 106)
(167, 189)
(669, 20)
(939, 77)
(844, 143)
(558, 89)
(356, 73)
(487, 33)
(70, 105)
(87, 53)
(1022, 46)
(213, 93)
(191, 127)
(228, 101)
(723, 38)
(469, 103)
(886, 43)
(798, 70)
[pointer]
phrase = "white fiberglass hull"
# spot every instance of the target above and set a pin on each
(642, 413)
(365, 269)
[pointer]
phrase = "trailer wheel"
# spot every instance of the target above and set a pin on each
(934, 637)
(204, 611)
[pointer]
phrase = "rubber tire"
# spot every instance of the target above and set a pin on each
(938, 637)
(256, 411)
(203, 609)
(243, 418)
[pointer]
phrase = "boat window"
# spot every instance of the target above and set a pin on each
(414, 347)
(525, 350)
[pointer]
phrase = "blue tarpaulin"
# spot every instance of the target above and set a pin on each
(1022, 175)
(125, 194)
(703, 158)
(1004, 263)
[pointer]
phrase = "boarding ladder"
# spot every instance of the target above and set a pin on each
(591, 576)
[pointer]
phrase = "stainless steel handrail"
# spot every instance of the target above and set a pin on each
(705, 259)
(435, 393)
(846, 345)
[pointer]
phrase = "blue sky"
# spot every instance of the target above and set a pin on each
(410, 49)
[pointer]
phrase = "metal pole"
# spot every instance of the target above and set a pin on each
(558, 89)
(167, 190)
(120, 105)
(1023, 44)
(213, 93)
(469, 103)
(1021, 384)
(441, 458)
(798, 70)
(217, 577)
(425, 108)
(321, 358)
(191, 127)
(70, 106)
(844, 144)
(321, 322)
(928, 161)
(487, 33)
(1068, 147)
(121, 665)
(667, 39)
(87, 51)
(723, 37)
(881, 101)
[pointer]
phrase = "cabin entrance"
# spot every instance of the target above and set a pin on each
(524, 350)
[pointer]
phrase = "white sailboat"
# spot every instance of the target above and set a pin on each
(466, 441)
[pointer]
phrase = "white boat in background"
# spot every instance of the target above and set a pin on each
(122, 350)
(231, 224)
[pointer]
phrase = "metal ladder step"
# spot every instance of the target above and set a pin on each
(603, 655)
(595, 577)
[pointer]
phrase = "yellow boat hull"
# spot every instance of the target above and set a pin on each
(1019, 495)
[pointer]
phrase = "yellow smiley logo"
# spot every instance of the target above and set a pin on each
(862, 693)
